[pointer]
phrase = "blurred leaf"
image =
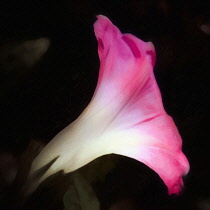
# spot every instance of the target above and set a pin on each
(97, 170)
(80, 195)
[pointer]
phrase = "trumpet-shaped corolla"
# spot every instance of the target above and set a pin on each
(125, 116)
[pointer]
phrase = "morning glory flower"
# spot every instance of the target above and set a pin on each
(125, 116)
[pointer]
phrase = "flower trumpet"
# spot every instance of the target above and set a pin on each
(125, 116)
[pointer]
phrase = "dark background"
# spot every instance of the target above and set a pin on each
(37, 102)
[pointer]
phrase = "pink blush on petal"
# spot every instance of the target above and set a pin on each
(136, 52)
(100, 43)
(153, 57)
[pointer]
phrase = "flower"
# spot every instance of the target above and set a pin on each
(125, 116)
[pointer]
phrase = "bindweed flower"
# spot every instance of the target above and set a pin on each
(125, 116)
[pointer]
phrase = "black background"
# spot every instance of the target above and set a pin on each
(46, 98)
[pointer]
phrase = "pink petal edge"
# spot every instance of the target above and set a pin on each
(135, 87)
